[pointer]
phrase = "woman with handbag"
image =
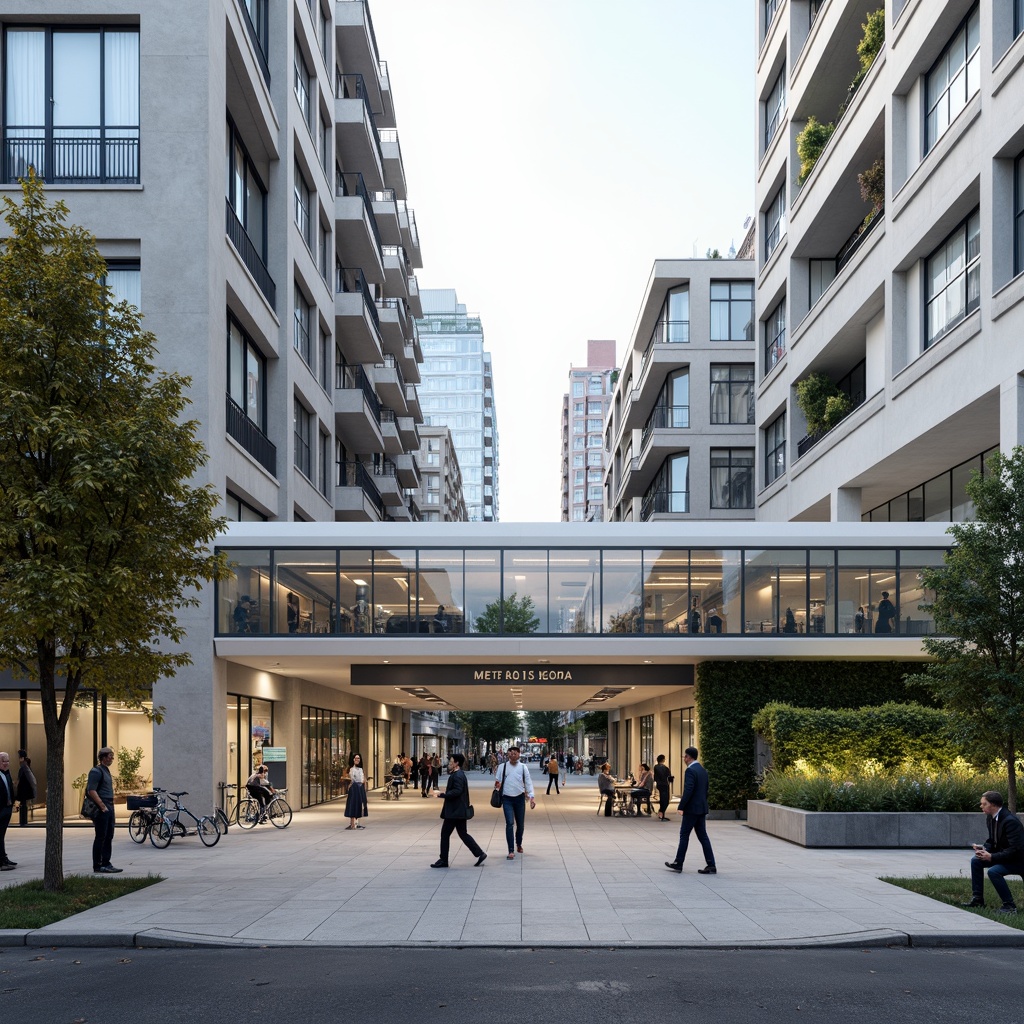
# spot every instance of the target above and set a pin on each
(457, 810)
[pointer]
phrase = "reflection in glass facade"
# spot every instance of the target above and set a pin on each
(608, 591)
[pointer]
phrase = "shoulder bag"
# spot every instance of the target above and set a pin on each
(496, 793)
(90, 809)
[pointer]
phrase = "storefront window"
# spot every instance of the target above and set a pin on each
(328, 739)
(622, 597)
(244, 600)
(304, 597)
(666, 590)
(775, 591)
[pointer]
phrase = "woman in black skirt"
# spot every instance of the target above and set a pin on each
(355, 806)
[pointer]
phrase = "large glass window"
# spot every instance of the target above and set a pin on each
(71, 106)
(732, 477)
(669, 492)
(770, 7)
(953, 279)
(302, 85)
(732, 393)
(304, 591)
(329, 738)
(775, 336)
(301, 332)
(1018, 17)
(394, 592)
(622, 591)
(354, 578)
(732, 311)
(954, 78)
(483, 591)
(245, 192)
(867, 591)
(244, 599)
(247, 375)
(775, 221)
(124, 279)
(715, 592)
(775, 592)
(302, 204)
(774, 105)
(303, 439)
(526, 577)
(666, 591)
(672, 407)
(911, 619)
(575, 591)
(775, 449)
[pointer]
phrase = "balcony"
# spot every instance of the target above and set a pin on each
(385, 477)
(73, 156)
(357, 411)
(258, 38)
(250, 257)
(389, 432)
(410, 233)
(357, 51)
(389, 384)
(356, 317)
(854, 386)
(408, 433)
(412, 402)
(822, 272)
(408, 470)
(396, 271)
(665, 503)
(250, 437)
(414, 296)
(355, 224)
(664, 417)
(385, 212)
(358, 143)
(356, 498)
(394, 169)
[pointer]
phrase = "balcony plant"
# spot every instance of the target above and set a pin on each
(872, 188)
(821, 402)
(810, 144)
(868, 49)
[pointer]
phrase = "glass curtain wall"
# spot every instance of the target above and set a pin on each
(622, 597)
(775, 592)
(647, 740)
(328, 739)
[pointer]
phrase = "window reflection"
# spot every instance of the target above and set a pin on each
(622, 592)
(575, 591)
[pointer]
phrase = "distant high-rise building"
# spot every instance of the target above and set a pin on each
(458, 392)
(584, 409)
(440, 497)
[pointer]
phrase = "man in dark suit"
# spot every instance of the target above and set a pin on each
(694, 805)
(1002, 853)
(456, 812)
(6, 808)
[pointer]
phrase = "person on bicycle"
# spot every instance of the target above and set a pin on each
(259, 787)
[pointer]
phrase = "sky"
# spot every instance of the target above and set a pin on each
(553, 150)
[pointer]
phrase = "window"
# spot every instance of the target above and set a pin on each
(1018, 213)
(323, 472)
(577, 389)
(672, 406)
(577, 408)
(124, 279)
(770, 7)
(593, 425)
(302, 205)
(245, 192)
(301, 331)
(577, 495)
(732, 477)
(1018, 17)
(71, 105)
(247, 375)
(579, 442)
(594, 441)
(323, 248)
(670, 490)
(775, 336)
(732, 393)
(775, 449)
(258, 16)
(324, 144)
(303, 439)
(577, 460)
(302, 87)
(594, 459)
(577, 427)
(732, 311)
(238, 511)
(954, 78)
(323, 31)
(775, 222)
(324, 357)
(774, 105)
(953, 279)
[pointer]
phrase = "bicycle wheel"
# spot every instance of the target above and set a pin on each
(221, 820)
(178, 830)
(138, 826)
(208, 831)
(160, 834)
(280, 813)
(248, 814)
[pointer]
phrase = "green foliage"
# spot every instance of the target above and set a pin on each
(910, 788)
(954, 890)
(491, 726)
(729, 693)
(873, 39)
(887, 734)
(547, 724)
(512, 615)
(712, 254)
(872, 184)
(30, 905)
(821, 402)
(977, 673)
(594, 723)
(129, 760)
(810, 144)
(103, 539)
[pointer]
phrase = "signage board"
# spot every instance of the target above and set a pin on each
(274, 754)
(591, 677)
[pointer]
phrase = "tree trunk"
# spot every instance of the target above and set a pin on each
(53, 864)
(1011, 776)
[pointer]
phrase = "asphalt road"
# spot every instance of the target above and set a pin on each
(58, 986)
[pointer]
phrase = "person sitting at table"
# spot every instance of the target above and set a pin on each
(606, 787)
(644, 787)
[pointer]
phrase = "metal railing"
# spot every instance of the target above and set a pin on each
(99, 157)
(350, 378)
(250, 437)
(350, 183)
(354, 474)
(256, 40)
(853, 243)
(670, 417)
(663, 502)
(250, 257)
(391, 363)
(354, 281)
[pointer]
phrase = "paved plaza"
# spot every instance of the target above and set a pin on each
(584, 880)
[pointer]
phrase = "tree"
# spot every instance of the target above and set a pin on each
(978, 670)
(512, 615)
(102, 538)
(491, 726)
(595, 723)
(545, 723)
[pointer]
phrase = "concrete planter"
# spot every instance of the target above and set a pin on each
(930, 830)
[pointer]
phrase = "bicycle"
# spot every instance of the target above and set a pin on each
(224, 818)
(169, 825)
(393, 787)
(277, 811)
(145, 810)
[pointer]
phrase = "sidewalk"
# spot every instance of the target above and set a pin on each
(584, 880)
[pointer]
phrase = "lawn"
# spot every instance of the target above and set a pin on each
(955, 891)
(29, 906)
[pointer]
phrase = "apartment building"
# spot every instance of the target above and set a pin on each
(890, 255)
(458, 392)
(584, 408)
(440, 497)
(681, 430)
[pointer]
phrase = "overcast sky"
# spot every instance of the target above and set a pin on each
(553, 150)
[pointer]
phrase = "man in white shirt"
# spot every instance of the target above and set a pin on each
(515, 784)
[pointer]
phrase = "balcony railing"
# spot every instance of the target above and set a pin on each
(853, 243)
(671, 417)
(353, 281)
(391, 363)
(351, 184)
(664, 503)
(853, 385)
(354, 377)
(250, 437)
(353, 87)
(250, 257)
(256, 39)
(354, 474)
(92, 155)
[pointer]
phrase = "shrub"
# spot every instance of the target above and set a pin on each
(810, 143)
(821, 402)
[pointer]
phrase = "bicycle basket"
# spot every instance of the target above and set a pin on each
(137, 803)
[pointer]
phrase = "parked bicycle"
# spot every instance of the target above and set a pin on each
(277, 811)
(226, 816)
(169, 825)
(145, 810)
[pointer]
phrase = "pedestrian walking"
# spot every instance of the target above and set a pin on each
(663, 783)
(435, 773)
(26, 789)
(456, 811)
(99, 787)
(6, 809)
(424, 774)
(516, 785)
(694, 806)
(552, 775)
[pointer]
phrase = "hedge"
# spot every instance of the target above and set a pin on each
(889, 734)
(729, 693)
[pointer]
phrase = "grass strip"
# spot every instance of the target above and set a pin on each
(29, 905)
(956, 890)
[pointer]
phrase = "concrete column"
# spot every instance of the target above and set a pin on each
(846, 505)
(1011, 413)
